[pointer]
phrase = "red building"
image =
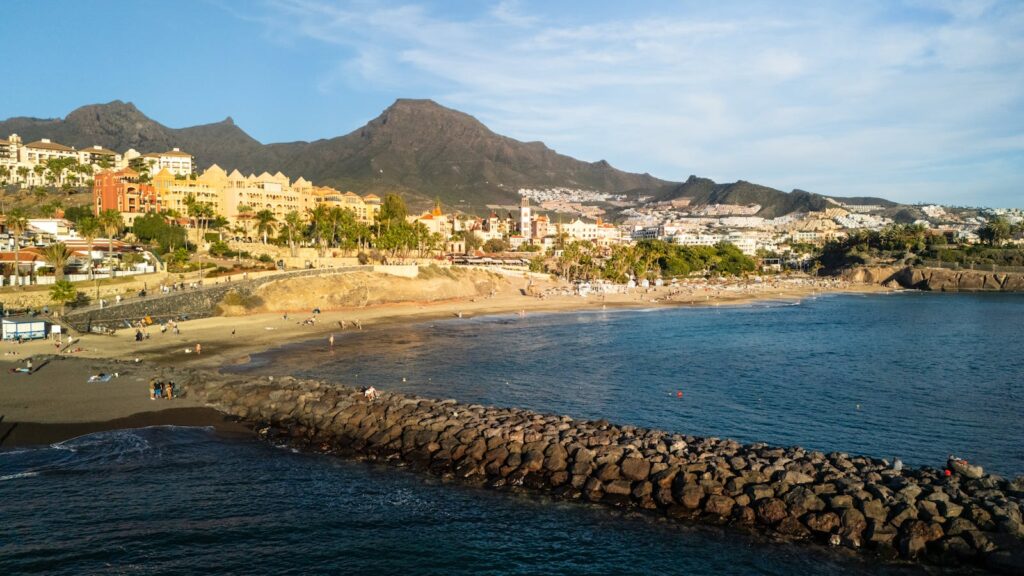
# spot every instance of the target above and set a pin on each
(122, 191)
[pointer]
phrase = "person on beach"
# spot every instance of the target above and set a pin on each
(330, 341)
(199, 348)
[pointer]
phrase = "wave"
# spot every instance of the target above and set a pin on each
(19, 475)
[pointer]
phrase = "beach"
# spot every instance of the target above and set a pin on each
(56, 401)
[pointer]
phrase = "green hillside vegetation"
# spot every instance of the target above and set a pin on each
(910, 244)
(648, 259)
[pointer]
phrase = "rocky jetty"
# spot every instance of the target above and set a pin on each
(791, 493)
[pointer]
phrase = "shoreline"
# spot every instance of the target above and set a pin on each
(25, 434)
(57, 403)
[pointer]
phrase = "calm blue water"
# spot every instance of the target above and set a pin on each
(931, 374)
(913, 375)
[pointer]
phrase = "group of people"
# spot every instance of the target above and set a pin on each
(161, 390)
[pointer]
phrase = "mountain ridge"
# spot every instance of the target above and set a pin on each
(415, 146)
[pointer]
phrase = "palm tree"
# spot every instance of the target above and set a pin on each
(57, 254)
(245, 214)
(292, 229)
(89, 228)
(265, 223)
(63, 292)
(111, 222)
(319, 219)
(16, 225)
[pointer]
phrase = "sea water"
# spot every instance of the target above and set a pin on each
(909, 375)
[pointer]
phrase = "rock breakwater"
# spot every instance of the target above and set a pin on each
(792, 493)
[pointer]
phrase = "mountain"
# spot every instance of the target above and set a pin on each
(774, 203)
(416, 147)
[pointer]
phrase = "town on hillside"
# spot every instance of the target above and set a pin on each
(156, 212)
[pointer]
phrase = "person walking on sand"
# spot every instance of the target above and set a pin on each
(330, 341)
(199, 349)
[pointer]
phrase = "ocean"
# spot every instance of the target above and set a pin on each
(910, 375)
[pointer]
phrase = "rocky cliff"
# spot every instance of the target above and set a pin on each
(938, 279)
(796, 494)
(366, 289)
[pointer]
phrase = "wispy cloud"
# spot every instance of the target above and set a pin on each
(914, 101)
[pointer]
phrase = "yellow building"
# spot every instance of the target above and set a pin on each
(173, 191)
(366, 208)
(226, 193)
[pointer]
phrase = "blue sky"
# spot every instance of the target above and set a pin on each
(910, 100)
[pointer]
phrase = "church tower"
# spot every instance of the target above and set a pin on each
(525, 218)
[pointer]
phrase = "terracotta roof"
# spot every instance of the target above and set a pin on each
(25, 255)
(39, 144)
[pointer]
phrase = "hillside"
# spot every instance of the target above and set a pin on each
(773, 202)
(415, 147)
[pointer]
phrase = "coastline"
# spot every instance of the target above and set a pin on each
(22, 434)
(56, 402)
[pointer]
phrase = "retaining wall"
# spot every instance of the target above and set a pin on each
(197, 303)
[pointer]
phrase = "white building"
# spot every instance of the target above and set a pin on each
(174, 161)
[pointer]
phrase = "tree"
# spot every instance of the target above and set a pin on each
(393, 210)
(320, 227)
(89, 228)
(292, 230)
(17, 223)
(57, 255)
(155, 228)
(495, 245)
(471, 239)
(111, 222)
(244, 215)
(63, 292)
(995, 231)
(266, 223)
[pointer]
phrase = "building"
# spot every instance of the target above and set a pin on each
(59, 228)
(174, 161)
(434, 221)
(525, 218)
(23, 328)
(121, 190)
(9, 158)
(40, 151)
(366, 208)
(540, 227)
(99, 156)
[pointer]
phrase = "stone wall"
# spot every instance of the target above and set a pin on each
(198, 303)
(852, 501)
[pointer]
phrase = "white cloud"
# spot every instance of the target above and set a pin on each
(908, 101)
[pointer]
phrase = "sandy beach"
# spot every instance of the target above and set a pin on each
(56, 401)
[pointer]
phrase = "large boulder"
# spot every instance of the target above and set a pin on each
(770, 510)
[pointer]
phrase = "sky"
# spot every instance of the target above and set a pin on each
(911, 100)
